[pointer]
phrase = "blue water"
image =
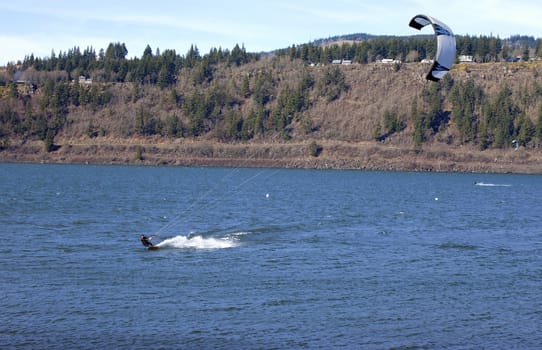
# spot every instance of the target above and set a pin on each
(268, 259)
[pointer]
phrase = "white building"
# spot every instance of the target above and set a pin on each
(389, 60)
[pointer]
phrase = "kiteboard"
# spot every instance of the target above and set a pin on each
(152, 247)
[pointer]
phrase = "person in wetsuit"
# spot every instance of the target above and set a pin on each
(146, 241)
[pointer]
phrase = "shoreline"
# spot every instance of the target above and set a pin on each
(334, 155)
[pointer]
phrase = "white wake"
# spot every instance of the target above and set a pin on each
(491, 185)
(197, 242)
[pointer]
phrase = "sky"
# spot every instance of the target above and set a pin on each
(40, 27)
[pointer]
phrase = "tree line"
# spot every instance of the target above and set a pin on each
(112, 65)
(161, 68)
(415, 48)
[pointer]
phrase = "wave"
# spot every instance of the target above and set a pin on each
(198, 242)
(491, 184)
(459, 246)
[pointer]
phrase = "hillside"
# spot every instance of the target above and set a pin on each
(279, 111)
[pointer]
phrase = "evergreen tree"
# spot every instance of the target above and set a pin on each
(145, 124)
(314, 149)
(12, 90)
(139, 124)
(392, 123)
(263, 88)
(333, 84)
(49, 140)
(418, 123)
(245, 86)
(173, 127)
(139, 153)
(147, 53)
(538, 51)
(483, 136)
(435, 116)
(192, 56)
(203, 72)
(238, 55)
(527, 130)
(526, 54)
(466, 99)
(500, 117)
(234, 125)
(538, 127)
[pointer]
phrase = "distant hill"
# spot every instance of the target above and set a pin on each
(292, 109)
(347, 37)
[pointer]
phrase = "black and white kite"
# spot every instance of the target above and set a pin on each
(445, 45)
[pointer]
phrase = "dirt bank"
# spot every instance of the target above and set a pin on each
(330, 155)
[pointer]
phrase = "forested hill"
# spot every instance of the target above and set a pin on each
(334, 102)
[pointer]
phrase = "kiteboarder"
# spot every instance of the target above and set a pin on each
(146, 241)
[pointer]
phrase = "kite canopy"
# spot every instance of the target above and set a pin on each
(445, 45)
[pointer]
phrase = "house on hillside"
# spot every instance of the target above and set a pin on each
(84, 80)
(25, 87)
(343, 62)
(465, 59)
(389, 60)
(513, 59)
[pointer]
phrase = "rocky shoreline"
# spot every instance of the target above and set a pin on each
(333, 155)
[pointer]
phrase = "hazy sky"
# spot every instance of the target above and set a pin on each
(39, 26)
